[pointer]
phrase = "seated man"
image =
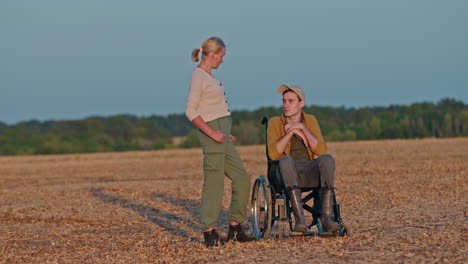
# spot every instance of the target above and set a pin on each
(294, 138)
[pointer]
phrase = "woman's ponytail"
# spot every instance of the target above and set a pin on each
(195, 55)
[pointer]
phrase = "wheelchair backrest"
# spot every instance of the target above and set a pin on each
(274, 175)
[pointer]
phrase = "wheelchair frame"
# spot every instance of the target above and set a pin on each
(270, 203)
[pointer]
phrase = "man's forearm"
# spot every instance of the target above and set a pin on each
(283, 142)
(311, 138)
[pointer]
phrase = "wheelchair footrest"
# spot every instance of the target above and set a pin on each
(308, 233)
(328, 234)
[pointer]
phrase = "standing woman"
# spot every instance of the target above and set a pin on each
(207, 108)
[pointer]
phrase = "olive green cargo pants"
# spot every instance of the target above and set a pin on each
(222, 159)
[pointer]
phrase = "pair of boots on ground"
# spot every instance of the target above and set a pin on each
(236, 233)
(326, 196)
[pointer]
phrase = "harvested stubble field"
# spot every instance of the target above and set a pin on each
(405, 201)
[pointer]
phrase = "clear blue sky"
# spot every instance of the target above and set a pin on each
(72, 59)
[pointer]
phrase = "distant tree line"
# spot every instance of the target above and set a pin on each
(447, 118)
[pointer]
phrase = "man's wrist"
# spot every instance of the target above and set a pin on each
(303, 127)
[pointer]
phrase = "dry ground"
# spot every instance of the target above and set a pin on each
(404, 200)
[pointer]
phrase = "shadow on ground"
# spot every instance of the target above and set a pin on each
(193, 207)
(170, 222)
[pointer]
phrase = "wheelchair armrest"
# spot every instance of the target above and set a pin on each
(274, 175)
(273, 162)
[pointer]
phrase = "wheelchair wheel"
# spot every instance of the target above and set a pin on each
(261, 208)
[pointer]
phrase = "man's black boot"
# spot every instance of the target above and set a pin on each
(236, 233)
(212, 238)
(326, 199)
(298, 210)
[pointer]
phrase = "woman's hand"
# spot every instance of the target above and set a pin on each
(218, 136)
(232, 138)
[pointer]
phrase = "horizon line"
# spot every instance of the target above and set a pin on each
(234, 110)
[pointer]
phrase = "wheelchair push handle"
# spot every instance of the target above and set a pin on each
(265, 120)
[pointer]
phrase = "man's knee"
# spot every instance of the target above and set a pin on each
(287, 162)
(287, 166)
(327, 161)
(288, 171)
(327, 170)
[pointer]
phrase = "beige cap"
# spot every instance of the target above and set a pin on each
(298, 90)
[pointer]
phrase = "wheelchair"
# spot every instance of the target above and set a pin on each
(270, 204)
